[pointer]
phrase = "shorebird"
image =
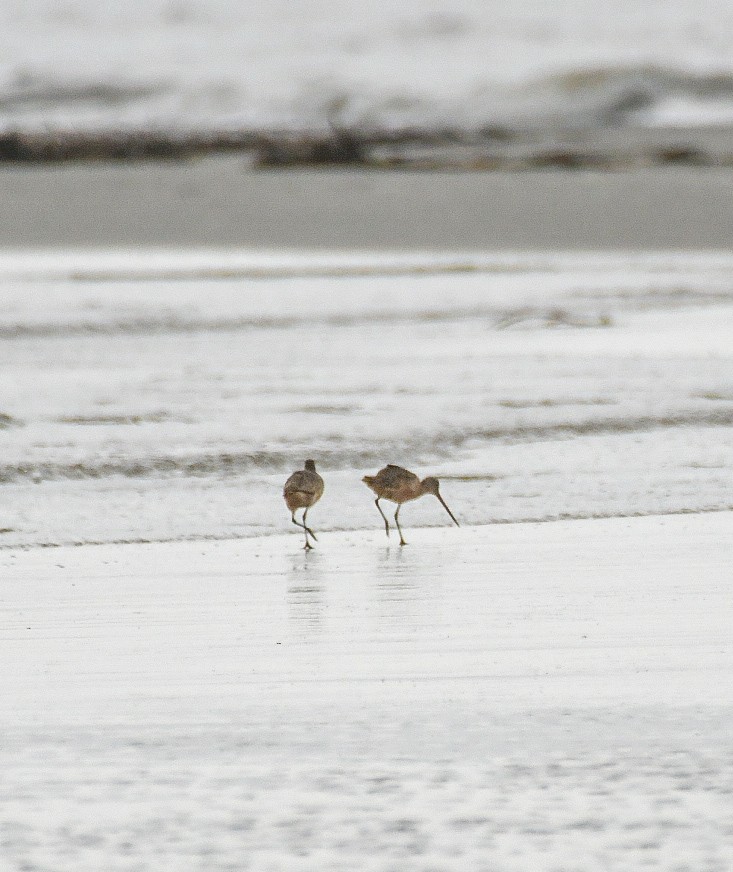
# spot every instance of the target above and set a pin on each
(399, 486)
(302, 490)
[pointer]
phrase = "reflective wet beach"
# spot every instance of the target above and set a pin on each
(509, 695)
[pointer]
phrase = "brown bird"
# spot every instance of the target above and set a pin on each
(302, 490)
(400, 486)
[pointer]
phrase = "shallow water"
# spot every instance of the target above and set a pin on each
(178, 391)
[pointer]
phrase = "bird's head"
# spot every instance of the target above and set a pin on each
(431, 485)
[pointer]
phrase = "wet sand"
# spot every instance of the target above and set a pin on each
(224, 202)
(508, 698)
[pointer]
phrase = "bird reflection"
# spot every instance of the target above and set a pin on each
(399, 582)
(305, 594)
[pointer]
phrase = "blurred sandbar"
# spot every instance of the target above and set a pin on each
(223, 201)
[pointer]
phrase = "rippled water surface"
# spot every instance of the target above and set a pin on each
(217, 66)
(179, 390)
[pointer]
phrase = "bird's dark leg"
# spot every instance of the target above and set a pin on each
(397, 521)
(308, 546)
(379, 508)
(308, 530)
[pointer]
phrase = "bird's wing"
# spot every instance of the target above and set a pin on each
(300, 482)
(395, 474)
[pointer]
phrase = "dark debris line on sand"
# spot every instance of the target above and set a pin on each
(491, 147)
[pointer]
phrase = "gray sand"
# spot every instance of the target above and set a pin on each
(223, 202)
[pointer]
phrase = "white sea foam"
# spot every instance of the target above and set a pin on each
(303, 65)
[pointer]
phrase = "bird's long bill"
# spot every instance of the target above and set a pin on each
(448, 510)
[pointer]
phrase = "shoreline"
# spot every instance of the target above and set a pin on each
(369, 533)
(223, 202)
